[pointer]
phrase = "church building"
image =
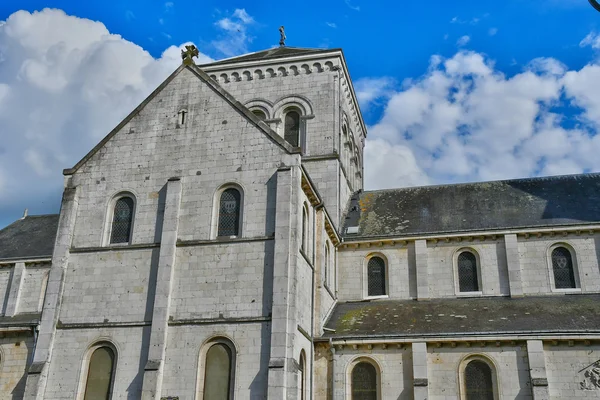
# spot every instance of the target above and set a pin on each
(218, 245)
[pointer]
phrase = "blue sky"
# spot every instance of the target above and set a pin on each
(451, 91)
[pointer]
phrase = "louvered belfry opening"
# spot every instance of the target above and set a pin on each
(122, 219)
(229, 213)
(479, 384)
(468, 280)
(364, 382)
(562, 266)
(376, 276)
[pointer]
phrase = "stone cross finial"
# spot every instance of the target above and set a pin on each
(282, 34)
(189, 52)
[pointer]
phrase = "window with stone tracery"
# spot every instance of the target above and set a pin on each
(364, 382)
(100, 374)
(562, 268)
(478, 381)
(230, 209)
(468, 274)
(376, 276)
(122, 220)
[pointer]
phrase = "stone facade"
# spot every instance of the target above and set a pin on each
(273, 292)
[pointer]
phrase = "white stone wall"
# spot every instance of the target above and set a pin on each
(567, 367)
(181, 373)
(535, 261)
(14, 353)
(67, 371)
(32, 291)
(231, 280)
(5, 275)
(113, 286)
(510, 362)
(394, 363)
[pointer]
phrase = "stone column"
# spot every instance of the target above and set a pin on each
(153, 371)
(15, 289)
(537, 369)
(420, 379)
(513, 263)
(38, 371)
(421, 266)
(282, 368)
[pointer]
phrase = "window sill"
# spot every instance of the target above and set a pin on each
(385, 296)
(469, 294)
(566, 291)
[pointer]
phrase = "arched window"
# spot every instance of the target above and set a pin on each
(122, 220)
(99, 382)
(376, 276)
(260, 114)
(478, 381)
(468, 280)
(291, 130)
(230, 208)
(304, 244)
(326, 271)
(562, 267)
(364, 382)
(302, 377)
(218, 372)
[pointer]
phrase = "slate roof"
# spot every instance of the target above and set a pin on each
(519, 203)
(468, 316)
(277, 52)
(29, 237)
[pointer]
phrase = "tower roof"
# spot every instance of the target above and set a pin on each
(269, 54)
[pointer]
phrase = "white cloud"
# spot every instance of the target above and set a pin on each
(493, 31)
(463, 41)
(352, 6)
(65, 82)
(169, 5)
(369, 90)
(592, 40)
(466, 121)
(331, 24)
(235, 39)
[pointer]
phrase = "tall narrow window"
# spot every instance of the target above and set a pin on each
(291, 132)
(98, 385)
(304, 244)
(376, 276)
(302, 377)
(364, 382)
(326, 264)
(218, 373)
(122, 220)
(468, 280)
(229, 213)
(479, 383)
(562, 266)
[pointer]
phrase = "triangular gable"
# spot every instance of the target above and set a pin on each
(244, 111)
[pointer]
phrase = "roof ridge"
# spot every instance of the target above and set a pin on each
(526, 179)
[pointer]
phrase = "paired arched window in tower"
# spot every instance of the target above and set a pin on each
(376, 276)
(100, 374)
(230, 211)
(219, 370)
(291, 127)
(260, 114)
(479, 380)
(122, 219)
(563, 268)
(468, 272)
(364, 380)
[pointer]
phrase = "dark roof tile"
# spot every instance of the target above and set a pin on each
(467, 316)
(519, 203)
(29, 237)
